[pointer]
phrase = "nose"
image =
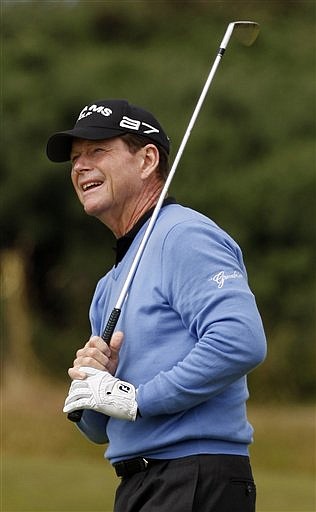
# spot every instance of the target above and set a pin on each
(81, 164)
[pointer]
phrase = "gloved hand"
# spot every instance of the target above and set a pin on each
(102, 392)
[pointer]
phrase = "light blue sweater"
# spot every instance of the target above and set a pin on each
(192, 333)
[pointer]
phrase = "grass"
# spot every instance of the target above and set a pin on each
(283, 457)
(38, 484)
(49, 467)
(53, 484)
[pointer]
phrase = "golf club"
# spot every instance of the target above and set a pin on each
(246, 33)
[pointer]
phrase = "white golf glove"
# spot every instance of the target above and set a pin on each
(102, 392)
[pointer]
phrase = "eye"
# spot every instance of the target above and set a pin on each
(73, 159)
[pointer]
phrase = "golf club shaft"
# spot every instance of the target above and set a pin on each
(75, 416)
(131, 273)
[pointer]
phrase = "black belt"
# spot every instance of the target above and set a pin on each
(130, 467)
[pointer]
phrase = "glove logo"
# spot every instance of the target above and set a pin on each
(124, 388)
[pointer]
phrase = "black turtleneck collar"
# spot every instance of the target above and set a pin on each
(124, 243)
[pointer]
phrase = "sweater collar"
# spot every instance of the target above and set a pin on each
(124, 243)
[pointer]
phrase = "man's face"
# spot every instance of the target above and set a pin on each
(106, 177)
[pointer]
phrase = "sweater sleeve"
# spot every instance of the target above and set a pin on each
(93, 426)
(205, 282)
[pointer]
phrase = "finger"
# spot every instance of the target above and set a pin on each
(93, 341)
(75, 373)
(116, 343)
(78, 394)
(82, 403)
(91, 356)
(98, 343)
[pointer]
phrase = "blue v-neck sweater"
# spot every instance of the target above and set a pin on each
(192, 333)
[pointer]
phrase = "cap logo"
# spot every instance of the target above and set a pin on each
(87, 111)
(134, 124)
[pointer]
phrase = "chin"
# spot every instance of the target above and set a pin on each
(91, 210)
(94, 209)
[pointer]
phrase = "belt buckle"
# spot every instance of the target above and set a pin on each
(130, 467)
(145, 463)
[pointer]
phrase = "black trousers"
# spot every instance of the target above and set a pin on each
(199, 483)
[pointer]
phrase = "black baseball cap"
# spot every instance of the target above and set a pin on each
(104, 119)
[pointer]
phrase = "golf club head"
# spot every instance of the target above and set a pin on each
(246, 32)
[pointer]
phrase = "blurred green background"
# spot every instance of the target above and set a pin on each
(249, 165)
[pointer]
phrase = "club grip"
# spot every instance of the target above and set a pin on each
(110, 326)
(75, 416)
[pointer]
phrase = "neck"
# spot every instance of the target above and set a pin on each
(142, 207)
(123, 223)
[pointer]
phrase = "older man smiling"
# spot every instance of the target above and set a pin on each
(169, 391)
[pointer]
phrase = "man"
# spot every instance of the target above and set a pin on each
(169, 391)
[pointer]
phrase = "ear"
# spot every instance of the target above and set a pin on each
(150, 161)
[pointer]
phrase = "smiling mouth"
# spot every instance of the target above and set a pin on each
(91, 185)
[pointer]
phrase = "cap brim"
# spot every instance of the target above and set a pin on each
(59, 145)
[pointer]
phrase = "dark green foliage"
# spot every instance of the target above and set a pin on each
(250, 162)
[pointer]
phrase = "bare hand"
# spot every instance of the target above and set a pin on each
(97, 354)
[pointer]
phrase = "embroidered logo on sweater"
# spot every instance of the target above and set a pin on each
(221, 277)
